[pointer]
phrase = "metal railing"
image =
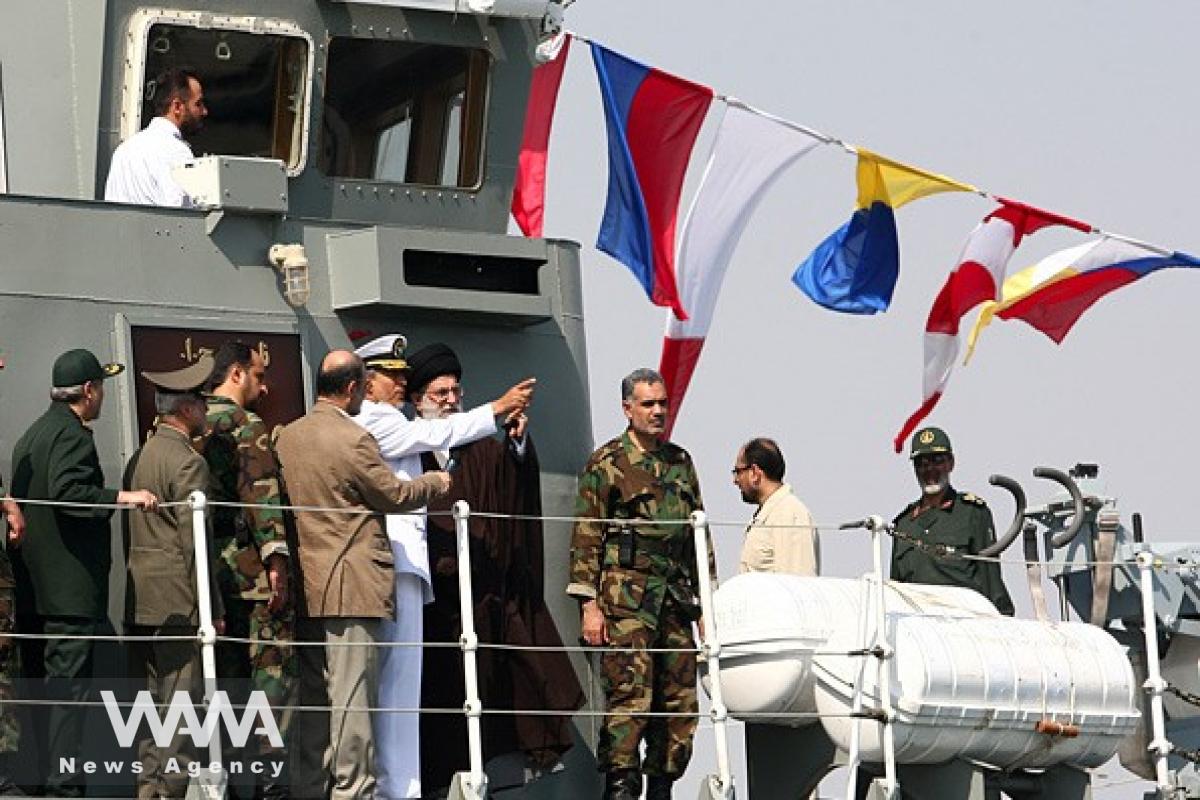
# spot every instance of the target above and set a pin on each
(873, 642)
(1155, 684)
(472, 785)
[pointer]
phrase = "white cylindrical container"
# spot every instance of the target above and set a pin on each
(769, 626)
(977, 688)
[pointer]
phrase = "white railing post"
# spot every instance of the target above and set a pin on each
(873, 644)
(883, 680)
(854, 757)
(710, 645)
(1154, 681)
(472, 785)
(211, 785)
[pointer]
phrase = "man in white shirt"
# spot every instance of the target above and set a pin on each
(402, 441)
(141, 166)
(780, 536)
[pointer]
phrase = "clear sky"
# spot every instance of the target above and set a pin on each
(1084, 108)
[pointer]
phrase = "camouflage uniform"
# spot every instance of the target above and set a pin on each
(237, 448)
(10, 728)
(648, 602)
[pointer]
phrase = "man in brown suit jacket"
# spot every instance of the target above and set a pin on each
(161, 592)
(346, 572)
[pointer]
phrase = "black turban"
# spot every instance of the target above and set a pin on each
(431, 362)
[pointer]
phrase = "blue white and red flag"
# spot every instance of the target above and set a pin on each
(653, 119)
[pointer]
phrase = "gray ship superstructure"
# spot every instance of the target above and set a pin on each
(354, 177)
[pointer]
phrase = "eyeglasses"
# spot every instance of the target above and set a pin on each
(444, 394)
(931, 459)
(739, 470)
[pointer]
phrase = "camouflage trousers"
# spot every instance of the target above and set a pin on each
(638, 681)
(10, 728)
(270, 666)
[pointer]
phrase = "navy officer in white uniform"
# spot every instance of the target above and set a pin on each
(402, 440)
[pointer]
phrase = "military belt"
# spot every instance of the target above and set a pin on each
(672, 547)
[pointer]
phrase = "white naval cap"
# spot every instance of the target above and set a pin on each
(385, 352)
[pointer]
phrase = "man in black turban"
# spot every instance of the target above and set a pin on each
(431, 363)
(494, 475)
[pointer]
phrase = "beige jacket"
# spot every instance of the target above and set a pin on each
(780, 537)
(161, 566)
(345, 560)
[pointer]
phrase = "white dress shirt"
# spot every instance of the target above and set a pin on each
(140, 171)
(781, 537)
(402, 441)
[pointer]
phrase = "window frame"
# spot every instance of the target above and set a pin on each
(134, 73)
(479, 133)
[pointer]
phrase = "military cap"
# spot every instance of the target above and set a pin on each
(930, 440)
(77, 367)
(432, 361)
(386, 352)
(181, 381)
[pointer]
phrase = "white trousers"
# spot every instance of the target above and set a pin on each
(397, 734)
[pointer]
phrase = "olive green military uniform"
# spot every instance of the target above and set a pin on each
(963, 525)
(10, 728)
(66, 557)
(642, 577)
(960, 524)
(243, 467)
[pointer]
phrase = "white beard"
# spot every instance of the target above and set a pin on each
(429, 409)
(932, 489)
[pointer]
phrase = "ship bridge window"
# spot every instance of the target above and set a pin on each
(255, 87)
(404, 112)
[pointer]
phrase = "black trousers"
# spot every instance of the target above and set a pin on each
(69, 680)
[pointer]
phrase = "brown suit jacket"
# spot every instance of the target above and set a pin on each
(160, 560)
(345, 560)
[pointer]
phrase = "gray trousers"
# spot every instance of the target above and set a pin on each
(344, 674)
(166, 667)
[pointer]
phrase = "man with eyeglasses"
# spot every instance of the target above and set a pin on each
(402, 441)
(781, 536)
(958, 521)
(497, 475)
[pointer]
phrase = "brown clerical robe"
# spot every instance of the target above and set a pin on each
(507, 584)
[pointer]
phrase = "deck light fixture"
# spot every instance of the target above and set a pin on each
(292, 263)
